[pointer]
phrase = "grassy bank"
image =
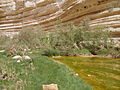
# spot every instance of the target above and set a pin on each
(100, 73)
(32, 74)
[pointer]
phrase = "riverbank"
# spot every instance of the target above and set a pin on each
(100, 56)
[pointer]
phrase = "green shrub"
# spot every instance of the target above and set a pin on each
(28, 38)
(94, 39)
(84, 51)
(51, 52)
(103, 52)
(63, 38)
(75, 52)
(70, 40)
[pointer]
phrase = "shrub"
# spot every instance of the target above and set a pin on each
(114, 53)
(84, 51)
(66, 40)
(75, 52)
(51, 52)
(4, 40)
(62, 38)
(29, 36)
(94, 39)
(103, 52)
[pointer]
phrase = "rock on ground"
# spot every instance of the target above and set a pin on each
(50, 87)
(17, 57)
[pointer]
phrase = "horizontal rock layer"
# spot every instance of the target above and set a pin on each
(17, 14)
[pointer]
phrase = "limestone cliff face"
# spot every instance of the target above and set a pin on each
(16, 14)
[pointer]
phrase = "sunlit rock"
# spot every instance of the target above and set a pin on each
(30, 4)
(2, 51)
(18, 61)
(26, 57)
(17, 57)
(50, 87)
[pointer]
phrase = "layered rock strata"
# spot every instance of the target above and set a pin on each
(17, 14)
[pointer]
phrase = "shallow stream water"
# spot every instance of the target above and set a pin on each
(100, 73)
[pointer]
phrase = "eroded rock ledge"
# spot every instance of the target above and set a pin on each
(16, 14)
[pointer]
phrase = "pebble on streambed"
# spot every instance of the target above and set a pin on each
(76, 74)
(89, 75)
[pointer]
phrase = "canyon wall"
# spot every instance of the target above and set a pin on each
(17, 14)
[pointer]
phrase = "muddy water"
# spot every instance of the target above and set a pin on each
(100, 73)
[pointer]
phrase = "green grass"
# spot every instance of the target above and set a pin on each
(101, 73)
(31, 75)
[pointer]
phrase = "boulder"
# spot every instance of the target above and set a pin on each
(26, 57)
(18, 61)
(2, 50)
(17, 57)
(50, 87)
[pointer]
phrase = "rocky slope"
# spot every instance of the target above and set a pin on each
(16, 14)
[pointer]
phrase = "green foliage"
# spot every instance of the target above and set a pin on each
(31, 75)
(51, 52)
(75, 52)
(102, 52)
(69, 40)
(63, 38)
(84, 51)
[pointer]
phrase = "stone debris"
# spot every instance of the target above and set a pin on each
(17, 57)
(18, 61)
(21, 57)
(26, 57)
(2, 50)
(89, 75)
(50, 87)
(56, 56)
(76, 74)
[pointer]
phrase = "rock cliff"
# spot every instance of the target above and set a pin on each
(17, 14)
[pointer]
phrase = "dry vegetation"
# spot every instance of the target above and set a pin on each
(65, 41)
